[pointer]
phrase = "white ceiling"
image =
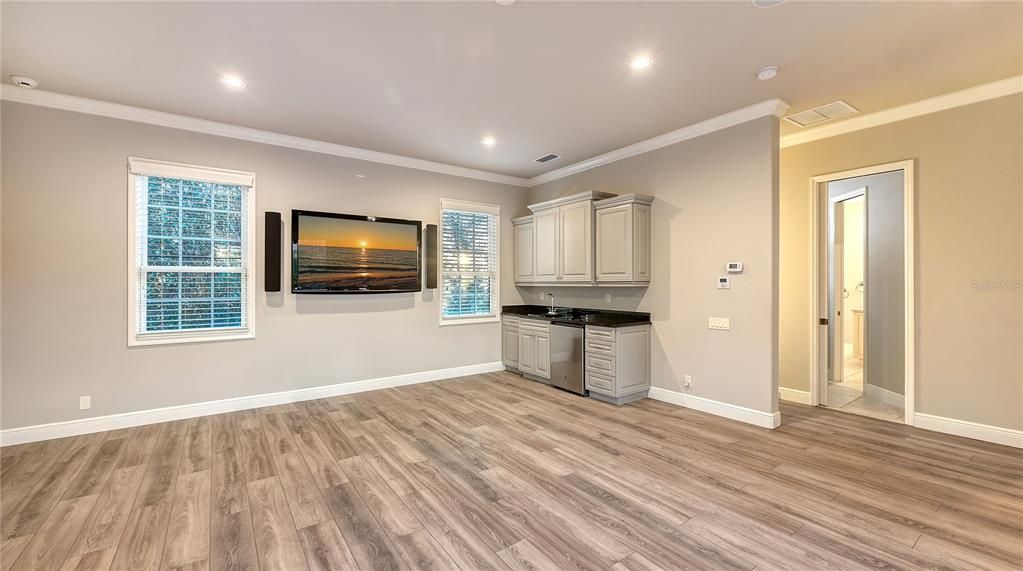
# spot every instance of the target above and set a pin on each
(430, 80)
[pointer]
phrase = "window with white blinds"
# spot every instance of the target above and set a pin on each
(469, 261)
(191, 255)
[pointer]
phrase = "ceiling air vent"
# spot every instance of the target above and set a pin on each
(547, 158)
(821, 114)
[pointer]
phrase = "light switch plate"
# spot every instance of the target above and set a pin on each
(719, 323)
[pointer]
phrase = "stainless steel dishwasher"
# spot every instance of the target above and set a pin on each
(567, 357)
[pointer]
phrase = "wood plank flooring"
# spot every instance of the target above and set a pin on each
(496, 472)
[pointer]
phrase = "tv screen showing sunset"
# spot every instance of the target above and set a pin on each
(354, 255)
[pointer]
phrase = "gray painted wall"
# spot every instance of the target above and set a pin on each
(716, 201)
(64, 239)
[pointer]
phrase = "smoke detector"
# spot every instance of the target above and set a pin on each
(767, 72)
(24, 82)
(822, 113)
(547, 158)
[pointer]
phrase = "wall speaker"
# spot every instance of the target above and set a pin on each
(431, 256)
(272, 252)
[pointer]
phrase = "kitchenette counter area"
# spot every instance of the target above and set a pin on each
(597, 353)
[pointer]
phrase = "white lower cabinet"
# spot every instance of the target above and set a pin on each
(617, 362)
(534, 348)
(510, 342)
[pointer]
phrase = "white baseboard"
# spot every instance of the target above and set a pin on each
(734, 412)
(129, 419)
(879, 394)
(794, 395)
(977, 431)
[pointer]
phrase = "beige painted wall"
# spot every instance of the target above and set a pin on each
(716, 201)
(969, 249)
(65, 272)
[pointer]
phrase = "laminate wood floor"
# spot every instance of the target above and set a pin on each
(496, 472)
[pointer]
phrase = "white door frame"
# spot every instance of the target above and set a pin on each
(818, 366)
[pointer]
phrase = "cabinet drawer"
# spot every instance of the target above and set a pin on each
(600, 383)
(600, 364)
(535, 325)
(600, 346)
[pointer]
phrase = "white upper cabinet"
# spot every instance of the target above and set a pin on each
(546, 245)
(623, 239)
(525, 269)
(576, 251)
(590, 238)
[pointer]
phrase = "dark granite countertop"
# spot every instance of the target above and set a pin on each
(578, 316)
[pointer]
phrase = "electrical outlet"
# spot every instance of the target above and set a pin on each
(84, 403)
(607, 298)
(719, 323)
(687, 381)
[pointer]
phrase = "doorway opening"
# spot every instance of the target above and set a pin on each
(863, 336)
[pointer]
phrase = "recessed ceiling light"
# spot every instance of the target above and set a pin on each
(767, 3)
(233, 81)
(24, 82)
(769, 72)
(488, 141)
(360, 175)
(505, 2)
(640, 62)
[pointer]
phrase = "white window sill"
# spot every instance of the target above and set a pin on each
(470, 320)
(178, 337)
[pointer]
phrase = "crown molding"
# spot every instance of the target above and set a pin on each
(766, 108)
(175, 121)
(993, 90)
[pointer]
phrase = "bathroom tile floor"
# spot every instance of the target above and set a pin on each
(847, 395)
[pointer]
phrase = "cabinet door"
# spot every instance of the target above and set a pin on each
(632, 356)
(527, 352)
(524, 252)
(543, 355)
(510, 346)
(614, 244)
(545, 238)
(576, 252)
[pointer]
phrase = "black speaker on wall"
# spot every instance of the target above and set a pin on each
(431, 256)
(272, 252)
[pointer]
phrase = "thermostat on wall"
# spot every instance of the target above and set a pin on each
(734, 267)
(724, 282)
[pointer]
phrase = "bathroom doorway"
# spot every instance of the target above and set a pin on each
(863, 292)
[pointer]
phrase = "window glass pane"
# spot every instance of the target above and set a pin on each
(227, 285)
(196, 284)
(197, 225)
(468, 263)
(227, 226)
(162, 316)
(164, 192)
(196, 194)
(164, 221)
(162, 284)
(164, 251)
(196, 252)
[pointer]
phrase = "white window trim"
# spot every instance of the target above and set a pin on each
(495, 302)
(149, 167)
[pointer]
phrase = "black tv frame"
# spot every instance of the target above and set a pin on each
(294, 244)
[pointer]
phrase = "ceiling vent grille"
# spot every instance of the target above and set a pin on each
(821, 114)
(547, 158)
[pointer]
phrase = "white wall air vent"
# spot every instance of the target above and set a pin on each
(821, 113)
(547, 158)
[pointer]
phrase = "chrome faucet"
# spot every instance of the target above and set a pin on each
(551, 295)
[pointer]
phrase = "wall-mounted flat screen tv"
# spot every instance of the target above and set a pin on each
(345, 253)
